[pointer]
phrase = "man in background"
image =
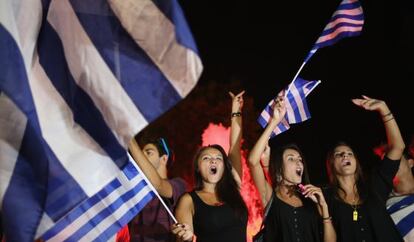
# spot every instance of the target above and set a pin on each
(153, 223)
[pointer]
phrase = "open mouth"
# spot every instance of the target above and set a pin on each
(346, 163)
(213, 170)
(299, 171)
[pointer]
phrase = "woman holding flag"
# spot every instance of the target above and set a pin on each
(215, 211)
(292, 214)
(357, 205)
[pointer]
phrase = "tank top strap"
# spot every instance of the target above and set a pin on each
(196, 199)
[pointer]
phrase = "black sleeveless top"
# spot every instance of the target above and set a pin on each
(217, 223)
(286, 223)
(373, 223)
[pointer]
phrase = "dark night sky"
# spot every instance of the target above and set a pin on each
(263, 43)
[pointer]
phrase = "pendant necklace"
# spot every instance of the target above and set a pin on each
(355, 212)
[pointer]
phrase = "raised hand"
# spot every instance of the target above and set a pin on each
(316, 195)
(394, 139)
(237, 102)
(279, 108)
(371, 104)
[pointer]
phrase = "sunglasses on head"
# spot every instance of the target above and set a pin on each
(164, 146)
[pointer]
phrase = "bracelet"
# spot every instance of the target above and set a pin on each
(327, 218)
(236, 114)
(388, 119)
(388, 114)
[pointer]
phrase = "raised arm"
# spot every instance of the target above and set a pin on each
(236, 132)
(259, 177)
(395, 141)
(265, 160)
(163, 186)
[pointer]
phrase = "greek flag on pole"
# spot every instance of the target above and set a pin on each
(296, 105)
(346, 21)
(78, 79)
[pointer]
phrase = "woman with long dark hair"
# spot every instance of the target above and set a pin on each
(293, 215)
(215, 211)
(357, 204)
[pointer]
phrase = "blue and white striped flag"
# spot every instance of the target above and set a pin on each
(346, 21)
(401, 209)
(78, 79)
(296, 105)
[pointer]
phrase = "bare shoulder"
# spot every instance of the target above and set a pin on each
(186, 200)
(186, 203)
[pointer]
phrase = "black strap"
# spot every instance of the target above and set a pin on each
(267, 209)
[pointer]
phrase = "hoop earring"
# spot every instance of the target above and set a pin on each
(278, 178)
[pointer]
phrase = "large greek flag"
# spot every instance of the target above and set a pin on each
(78, 78)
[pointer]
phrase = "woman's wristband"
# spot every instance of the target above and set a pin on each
(327, 219)
(236, 114)
(388, 114)
(388, 119)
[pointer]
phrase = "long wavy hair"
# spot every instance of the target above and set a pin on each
(276, 167)
(227, 189)
(333, 179)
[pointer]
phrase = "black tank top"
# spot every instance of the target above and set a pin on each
(217, 223)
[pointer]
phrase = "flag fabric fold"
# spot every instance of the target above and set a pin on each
(346, 21)
(79, 79)
(296, 106)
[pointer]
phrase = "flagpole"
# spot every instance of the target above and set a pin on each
(300, 69)
(297, 73)
(311, 53)
(310, 90)
(152, 188)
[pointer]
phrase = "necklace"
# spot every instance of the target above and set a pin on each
(355, 213)
(354, 205)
